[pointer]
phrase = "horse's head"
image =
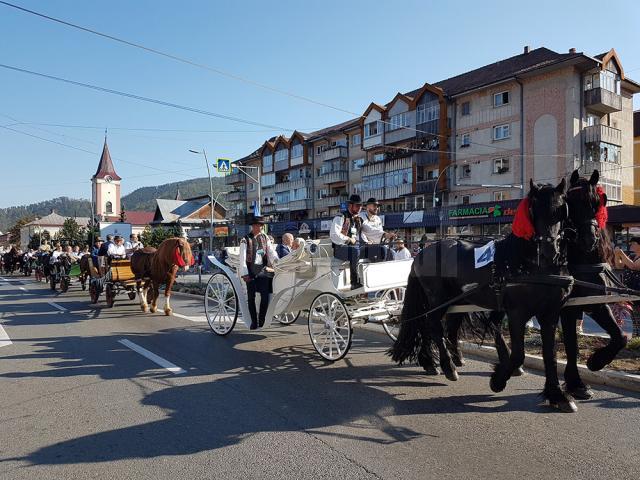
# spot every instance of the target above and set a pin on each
(587, 210)
(543, 211)
(185, 250)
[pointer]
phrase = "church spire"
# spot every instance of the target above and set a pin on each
(105, 167)
(178, 195)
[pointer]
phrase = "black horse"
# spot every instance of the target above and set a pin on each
(528, 267)
(11, 261)
(589, 258)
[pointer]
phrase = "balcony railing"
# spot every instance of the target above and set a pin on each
(335, 153)
(426, 186)
(292, 184)
(235, 178)
(300, 204)
(268, 208)
(602, 100)
(334, 176)
(281, 165)
(236, 196)
(398, 191)
(331, 201)
(603, 133)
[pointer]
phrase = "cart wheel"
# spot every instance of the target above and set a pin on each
(52, 282)
(109, 295)
(64, 284)
(131, 295)
(330, 327)
(393, 301)
(287, 318)
(93, 292)
(83, 283)
(221, 304)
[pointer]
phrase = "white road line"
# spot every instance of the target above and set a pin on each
(4, 338)
(23, 289)
(59, 307)
(152, 356)
(191, 319)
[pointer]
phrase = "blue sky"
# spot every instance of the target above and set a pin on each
(343, 53)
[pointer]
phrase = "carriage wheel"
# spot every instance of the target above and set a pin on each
(110, 295)
(393, 301)
(64, 284)
(221, 304)
(330, 327)
(287, 318)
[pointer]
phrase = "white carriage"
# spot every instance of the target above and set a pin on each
(310, 279)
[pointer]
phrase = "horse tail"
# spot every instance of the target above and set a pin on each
(481, 325)
(412, 323)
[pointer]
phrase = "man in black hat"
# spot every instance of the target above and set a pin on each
(257, 256)
(345, 235)
(373, 233)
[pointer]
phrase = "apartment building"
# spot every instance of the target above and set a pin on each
(636, 157)
(455, 156)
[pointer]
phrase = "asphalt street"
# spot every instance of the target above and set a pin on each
(91, 392)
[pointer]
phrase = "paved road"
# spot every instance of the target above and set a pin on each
(78, 403)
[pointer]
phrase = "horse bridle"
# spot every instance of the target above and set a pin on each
(539, 240)
(595, 204)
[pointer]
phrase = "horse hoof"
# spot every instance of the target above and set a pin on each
(581, 393)
(153, 310)
(430, 370)
(168, 312)
(459, 362)
(451, 375)
(595, 363)
(518, 372)
(496, 384)
(565, 405)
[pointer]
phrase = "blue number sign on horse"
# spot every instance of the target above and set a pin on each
(484, 255)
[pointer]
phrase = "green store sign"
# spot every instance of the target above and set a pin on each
(469, 211)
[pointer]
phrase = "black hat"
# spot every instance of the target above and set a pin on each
(355, 198)
(373, 200)
(253, 219)
(98, 239)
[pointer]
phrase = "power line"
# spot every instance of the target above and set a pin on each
(144, 99)
(170, 130)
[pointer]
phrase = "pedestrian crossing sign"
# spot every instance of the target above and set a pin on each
(224, 165)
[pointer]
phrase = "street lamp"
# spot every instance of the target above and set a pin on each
(204, 153)
(435, 186)
(243, 169)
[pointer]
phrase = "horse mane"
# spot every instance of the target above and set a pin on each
(162, 259)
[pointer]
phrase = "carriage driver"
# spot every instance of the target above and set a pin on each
(373, 233)
(116, 249)
(257, 256)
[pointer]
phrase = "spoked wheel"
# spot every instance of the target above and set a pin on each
(287, 318)
(109, 294)
(64, 284)
(221, 304)
(93, 292)
(393, 300)
(330, 327)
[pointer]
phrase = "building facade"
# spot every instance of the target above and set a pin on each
(454, 157)
(636, 157)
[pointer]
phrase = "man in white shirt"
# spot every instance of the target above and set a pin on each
(257, 257)
(401, 252)
(373, 232)
(116, 249)
(132, 244)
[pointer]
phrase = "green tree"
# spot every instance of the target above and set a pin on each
(71, 232)
(14, 232)
(35, 239)
(153, 237)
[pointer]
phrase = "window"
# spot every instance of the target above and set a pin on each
(252, 187)
(432, 174)
(399, 177)
(397, 121)
(466, 108)
(282, 155)
(322, 193)
(592, 120)
(268, 179)
(338, 143)
(356, 188)
(371, 129)
(466, 199)
(466, 140)
(466, 171)
(427, 112)
(109, 207)
(356, 139)
(282, 197)
(500, 99)
(357, 164)
(500, 165)
(500, 196)
(501, 132)
(378, 157)
(296, 150)
(267, 162)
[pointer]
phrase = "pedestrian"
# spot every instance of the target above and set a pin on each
(631, 278)
(257, 257)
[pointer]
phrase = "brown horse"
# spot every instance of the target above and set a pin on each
(141, 267)
(85, 270)
(172, 254)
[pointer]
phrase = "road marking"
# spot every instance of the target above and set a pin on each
(4, 338)
(152, 356)
(59, 307)
(191, 319)
(23, 289)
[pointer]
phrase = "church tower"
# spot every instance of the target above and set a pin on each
(106, 188)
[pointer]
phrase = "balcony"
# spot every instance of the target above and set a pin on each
(602, 101)
(235, 178)
(426, 186)
(332, 201)
(292, 184)
(281, 165)
(269, 208)
(427, 158)
(377, 193)
(334, 176)
(299, 205)
(398, 191)
(603, 133)
(335, 153)
(236, 195)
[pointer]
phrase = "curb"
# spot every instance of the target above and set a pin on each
(609, 378)
(188, 295)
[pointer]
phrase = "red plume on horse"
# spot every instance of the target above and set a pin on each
(157, 267)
